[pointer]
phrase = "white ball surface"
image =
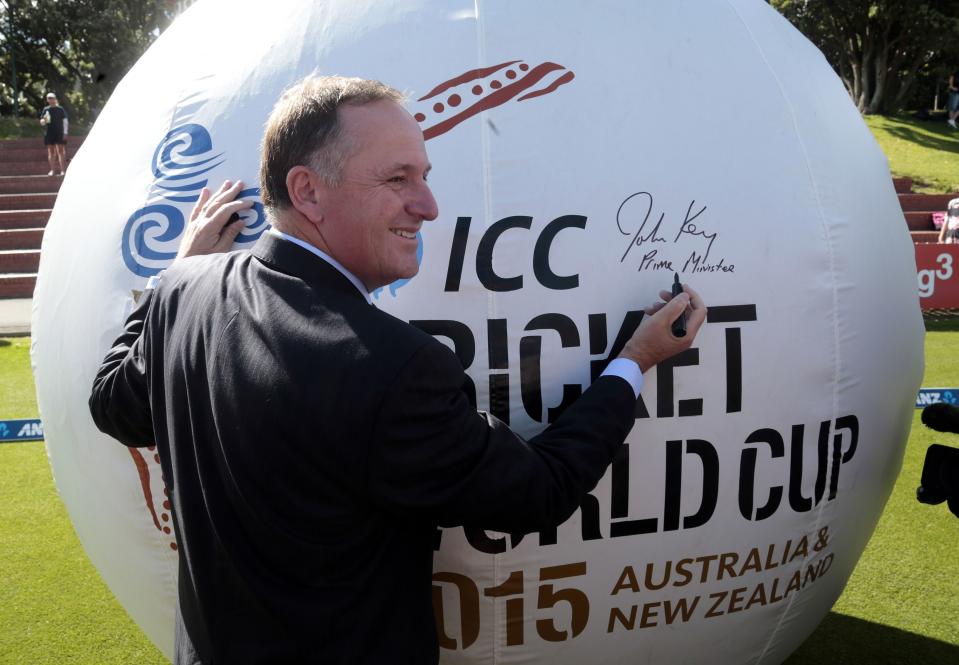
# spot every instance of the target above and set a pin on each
(621, 142)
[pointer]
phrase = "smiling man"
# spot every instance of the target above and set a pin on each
(311, 442)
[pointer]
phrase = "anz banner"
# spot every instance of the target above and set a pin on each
(12, 431)
(929, 396)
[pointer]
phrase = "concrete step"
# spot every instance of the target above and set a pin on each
(20, 239)
(20, 144)
(24, 219)
(902, 185)
(27, 201)
(35, 153)
(25, 168)
(30, 184)
(19, 260)
(924, 236)
(919, 221)
(17, 286)
(927, 202)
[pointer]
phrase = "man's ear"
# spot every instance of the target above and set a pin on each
(305, 189)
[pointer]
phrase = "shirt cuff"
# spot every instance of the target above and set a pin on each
(153, 281)
(626, 369)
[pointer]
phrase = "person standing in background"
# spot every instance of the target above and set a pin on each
(54, 118)
(949, 233)
(952, 103)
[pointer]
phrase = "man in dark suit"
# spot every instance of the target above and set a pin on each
(311, 442)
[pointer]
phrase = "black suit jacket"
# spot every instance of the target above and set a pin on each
(311, 444)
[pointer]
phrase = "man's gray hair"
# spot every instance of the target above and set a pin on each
(304, 130)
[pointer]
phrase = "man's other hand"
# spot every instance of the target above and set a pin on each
(214, 223)
(653, 340)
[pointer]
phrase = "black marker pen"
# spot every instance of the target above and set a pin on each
(679, 325)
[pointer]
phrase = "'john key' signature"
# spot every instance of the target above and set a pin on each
(651, 233)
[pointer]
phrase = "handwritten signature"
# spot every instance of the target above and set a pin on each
(653, 234)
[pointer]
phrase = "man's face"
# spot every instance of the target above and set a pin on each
(52, 101)
(371, 219)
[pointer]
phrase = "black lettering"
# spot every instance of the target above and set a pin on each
(838, 456)
(734, 370)
(541, 268)
(484, 254)
(747, 475)
(530, 352)
(664, 386)
(797, 501)
(730, 313)
(673, 485)
(457, 253)
(619, 508)
(496, 345)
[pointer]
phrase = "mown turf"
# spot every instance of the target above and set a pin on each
(54, 608)
(900, 606)
(925, 150)
(17, 396)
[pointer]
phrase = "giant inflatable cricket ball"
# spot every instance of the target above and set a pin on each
(583, 154)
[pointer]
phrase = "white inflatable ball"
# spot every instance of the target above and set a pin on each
(583, 154)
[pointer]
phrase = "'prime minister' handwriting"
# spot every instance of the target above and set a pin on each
(647, 229)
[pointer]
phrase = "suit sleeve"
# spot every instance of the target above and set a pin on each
(434, 456)
(119, 401)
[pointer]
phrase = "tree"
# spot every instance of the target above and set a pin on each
(879, 49)
(77, 48)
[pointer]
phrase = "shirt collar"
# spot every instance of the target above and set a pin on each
(326, 257)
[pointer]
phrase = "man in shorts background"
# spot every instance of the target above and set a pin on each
(54, 118)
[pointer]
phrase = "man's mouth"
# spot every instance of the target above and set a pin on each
(409, 235)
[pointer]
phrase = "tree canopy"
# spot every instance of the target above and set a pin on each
(79, 49)
(883, 51)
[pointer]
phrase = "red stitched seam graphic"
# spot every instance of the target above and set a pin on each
(144, 472)
(465, 77)
(562, 80)
(501, 96)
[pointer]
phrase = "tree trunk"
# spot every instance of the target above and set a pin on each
(865, 83)
(880, 72)
(905, 85)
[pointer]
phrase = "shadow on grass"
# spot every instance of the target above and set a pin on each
(846, 640)
(4, 342)
(945, 138)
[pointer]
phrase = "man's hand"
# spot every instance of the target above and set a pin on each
(653, 340)
(214, 224)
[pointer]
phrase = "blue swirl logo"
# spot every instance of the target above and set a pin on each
(254, 218)
(180, 165)
(180, 161)
(147, 231)
(400, 283)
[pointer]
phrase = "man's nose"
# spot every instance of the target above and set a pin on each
(422, 204)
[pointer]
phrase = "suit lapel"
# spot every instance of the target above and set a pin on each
(291, 259)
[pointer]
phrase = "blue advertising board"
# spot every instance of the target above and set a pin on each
(12, 431)
(929, 396)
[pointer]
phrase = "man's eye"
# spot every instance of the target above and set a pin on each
(398, 178)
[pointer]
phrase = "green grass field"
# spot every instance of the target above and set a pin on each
(926, 151)
(900, 606)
